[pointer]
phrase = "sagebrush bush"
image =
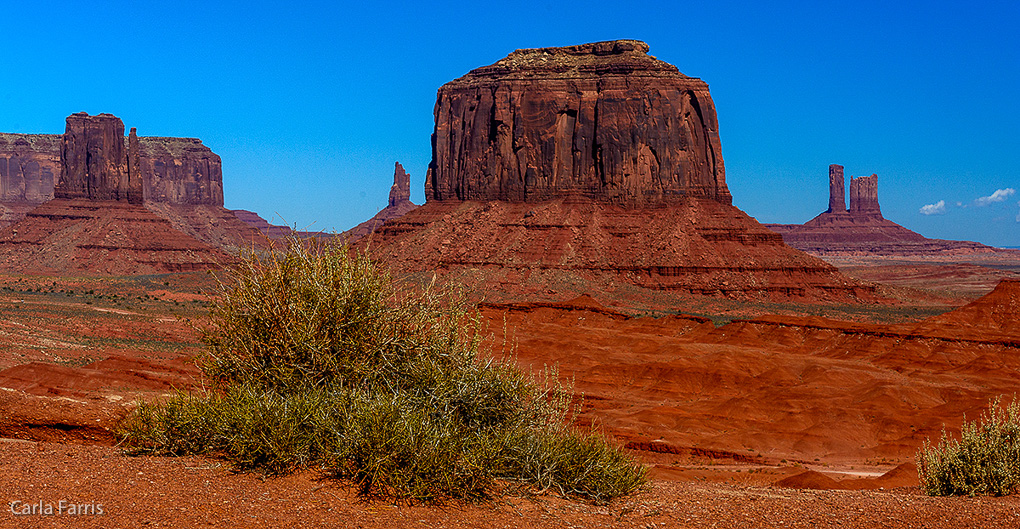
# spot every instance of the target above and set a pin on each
(984, 461)
(318, 358)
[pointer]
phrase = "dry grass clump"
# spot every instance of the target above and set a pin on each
(985, 461)
(319, 359)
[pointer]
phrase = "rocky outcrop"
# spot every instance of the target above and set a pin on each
(94, 160)
(561, 171)
(181, 171)
(837, 196)
(863, 230)
(400, 191)
(399, 205)
(864, 197)
(175, 171)
(604, 121)
(29, 167)
(96, 222)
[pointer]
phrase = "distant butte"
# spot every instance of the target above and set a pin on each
(862, 230)
(556, 170)
(112, 204)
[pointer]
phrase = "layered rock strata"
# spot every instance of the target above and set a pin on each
(174, 171)
(862, 230)
(559, 248)
(597, 167)
(604, 120)
(101, 237)
(96, 222)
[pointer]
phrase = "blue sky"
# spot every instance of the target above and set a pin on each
(310, 103)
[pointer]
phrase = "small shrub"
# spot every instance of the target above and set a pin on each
(985, 461)
(318, 358)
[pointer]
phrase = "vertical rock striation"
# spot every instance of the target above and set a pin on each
(181, 171)
(93, 158)
(29, 167)
(864, 197)
(603, 120)
(590, 168)
(175, 171)
(837, 190)
(400, 191)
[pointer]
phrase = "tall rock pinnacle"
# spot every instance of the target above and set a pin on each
(603, 120)
(837, 189)
(400, 191)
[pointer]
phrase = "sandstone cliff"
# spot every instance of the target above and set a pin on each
(29, 167)
(590, 168)
(94, 160)
(604, 120)
(181, 171)
(175, 171)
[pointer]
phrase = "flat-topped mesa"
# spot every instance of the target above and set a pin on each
(837, 190)
(173, 171)
(603, 120)
(400, 191)
(864, 197)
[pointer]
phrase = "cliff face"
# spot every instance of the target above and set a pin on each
(29, 167)
(94, 160)
(603, 120)
(181, 171)
(864, 197)
(176, 171)
(591, 168)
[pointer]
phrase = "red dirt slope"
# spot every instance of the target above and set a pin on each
(542, 251)
(94, 237)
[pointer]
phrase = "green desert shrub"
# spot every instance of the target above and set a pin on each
(318, 358)
(984, 461)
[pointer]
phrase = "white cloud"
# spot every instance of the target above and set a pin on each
(1000, 195)
(938, 208)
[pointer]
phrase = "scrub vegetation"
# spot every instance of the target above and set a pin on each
(984, 461)
(317, 358)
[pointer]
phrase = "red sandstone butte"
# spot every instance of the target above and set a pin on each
(179, 179)
(604, 120)
(96, 223)
(862, 230)
(559, 170)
